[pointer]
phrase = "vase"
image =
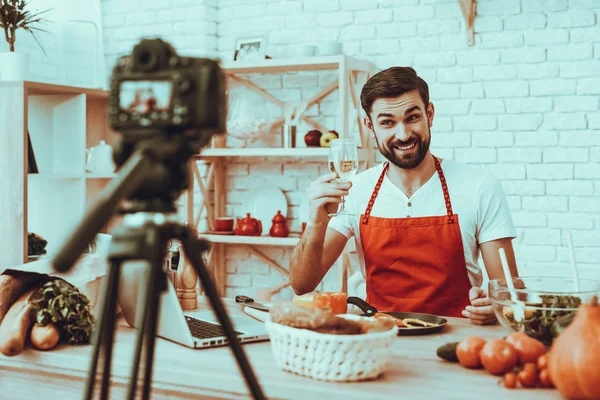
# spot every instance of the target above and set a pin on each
(14, 66)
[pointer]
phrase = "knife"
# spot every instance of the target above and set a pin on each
(249, 301)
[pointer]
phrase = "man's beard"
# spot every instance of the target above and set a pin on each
(409, 161)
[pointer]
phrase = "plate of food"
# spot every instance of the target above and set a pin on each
(409, 323)
(263, 203)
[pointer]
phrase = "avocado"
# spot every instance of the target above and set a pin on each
(448, 352)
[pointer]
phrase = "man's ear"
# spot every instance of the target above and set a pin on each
(430, 114)
(369, 124)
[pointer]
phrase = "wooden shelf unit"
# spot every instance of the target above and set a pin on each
(62, 122)
(351, 72)
(308, 152)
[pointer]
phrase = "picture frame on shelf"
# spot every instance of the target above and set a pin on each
(250, 48)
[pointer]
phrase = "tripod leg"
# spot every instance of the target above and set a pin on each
(141, 320)
(110, 328)
(99, 339)
(193, 249)
(156, 286)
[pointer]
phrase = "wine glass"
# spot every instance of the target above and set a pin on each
(343, 159)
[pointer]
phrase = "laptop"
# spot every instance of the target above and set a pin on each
(194, 329)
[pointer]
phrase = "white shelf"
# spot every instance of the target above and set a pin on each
(272, 152)
(53, 176)
(93, 175)
(252, 240)
(316, 63)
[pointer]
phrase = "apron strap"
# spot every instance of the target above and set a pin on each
(438, 167)
(367, 213)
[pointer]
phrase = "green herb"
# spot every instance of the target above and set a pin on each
(538, 324)
(65, 306)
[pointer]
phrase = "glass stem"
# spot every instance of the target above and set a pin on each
(342, 204)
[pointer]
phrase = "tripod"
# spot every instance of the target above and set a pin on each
(146, 228)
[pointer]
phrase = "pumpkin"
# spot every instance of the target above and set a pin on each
(575, 355)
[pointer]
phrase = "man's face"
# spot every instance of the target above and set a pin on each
(401, 127)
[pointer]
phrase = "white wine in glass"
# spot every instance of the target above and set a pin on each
(343, 159)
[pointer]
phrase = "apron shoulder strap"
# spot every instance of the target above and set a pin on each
(438, 167)
(367, 213)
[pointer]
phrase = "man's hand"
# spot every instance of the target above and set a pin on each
(480, 311)
(323, 195)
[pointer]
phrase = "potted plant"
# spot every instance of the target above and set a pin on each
(15, 16)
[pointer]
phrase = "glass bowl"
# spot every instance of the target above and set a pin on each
(545, 298)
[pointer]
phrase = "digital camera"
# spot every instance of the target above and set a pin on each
(155, 91)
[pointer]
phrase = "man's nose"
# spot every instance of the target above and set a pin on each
(403, 133)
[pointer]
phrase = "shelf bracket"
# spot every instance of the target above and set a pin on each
(205, 196)
(273, 264)
(469, 11)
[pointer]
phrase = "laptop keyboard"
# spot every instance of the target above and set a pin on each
(205, 330)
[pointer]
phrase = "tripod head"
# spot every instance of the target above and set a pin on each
(167, 108)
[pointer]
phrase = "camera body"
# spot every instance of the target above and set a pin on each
(168, 107)
(155, 91)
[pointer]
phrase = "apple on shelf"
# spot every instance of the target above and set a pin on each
(327, 137)
(312, 138)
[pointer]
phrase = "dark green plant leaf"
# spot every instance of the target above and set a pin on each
(64, 305)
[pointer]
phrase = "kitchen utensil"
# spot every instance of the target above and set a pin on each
(263, 203)
(519, 307)
(573, 264)
(99, 158)
(224, 224)
(370, 311)
(279, 227)
(249, 302)
(547, 299)
(289, 136)
(248, 226)
(288, 133)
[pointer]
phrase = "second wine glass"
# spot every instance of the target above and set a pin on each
(343, 160)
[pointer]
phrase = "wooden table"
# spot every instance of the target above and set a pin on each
(182, 373)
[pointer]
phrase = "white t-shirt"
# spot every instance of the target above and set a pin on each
(476, 196)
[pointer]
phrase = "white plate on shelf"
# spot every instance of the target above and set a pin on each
(263, 203)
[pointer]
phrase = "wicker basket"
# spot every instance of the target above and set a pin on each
(331, 357)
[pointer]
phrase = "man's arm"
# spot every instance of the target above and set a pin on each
(313, 256)
(319, 245)
(491, 258)
(480, 311)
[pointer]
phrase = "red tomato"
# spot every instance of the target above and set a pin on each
(498, 356)
(542, 362)
(529, 349)
(545, 379)
(336, 302)
(510, 380)
(468, 350)
(514, 337)
(528, 375)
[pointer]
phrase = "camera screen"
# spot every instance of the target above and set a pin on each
(145, 96)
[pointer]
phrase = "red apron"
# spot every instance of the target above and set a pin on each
(415, 264)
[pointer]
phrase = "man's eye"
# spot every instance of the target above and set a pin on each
(412, 118)
(387, 122)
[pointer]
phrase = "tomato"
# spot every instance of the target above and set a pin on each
(510, 380)
(498, 356)
(514, 337)
(545, 379)
(528, 375)
(336, 302)
(529, 349)
(468, 350)
(542, 362)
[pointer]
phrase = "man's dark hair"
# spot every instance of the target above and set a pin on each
(390, 83)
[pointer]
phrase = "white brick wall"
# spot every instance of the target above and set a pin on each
(522, 102)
